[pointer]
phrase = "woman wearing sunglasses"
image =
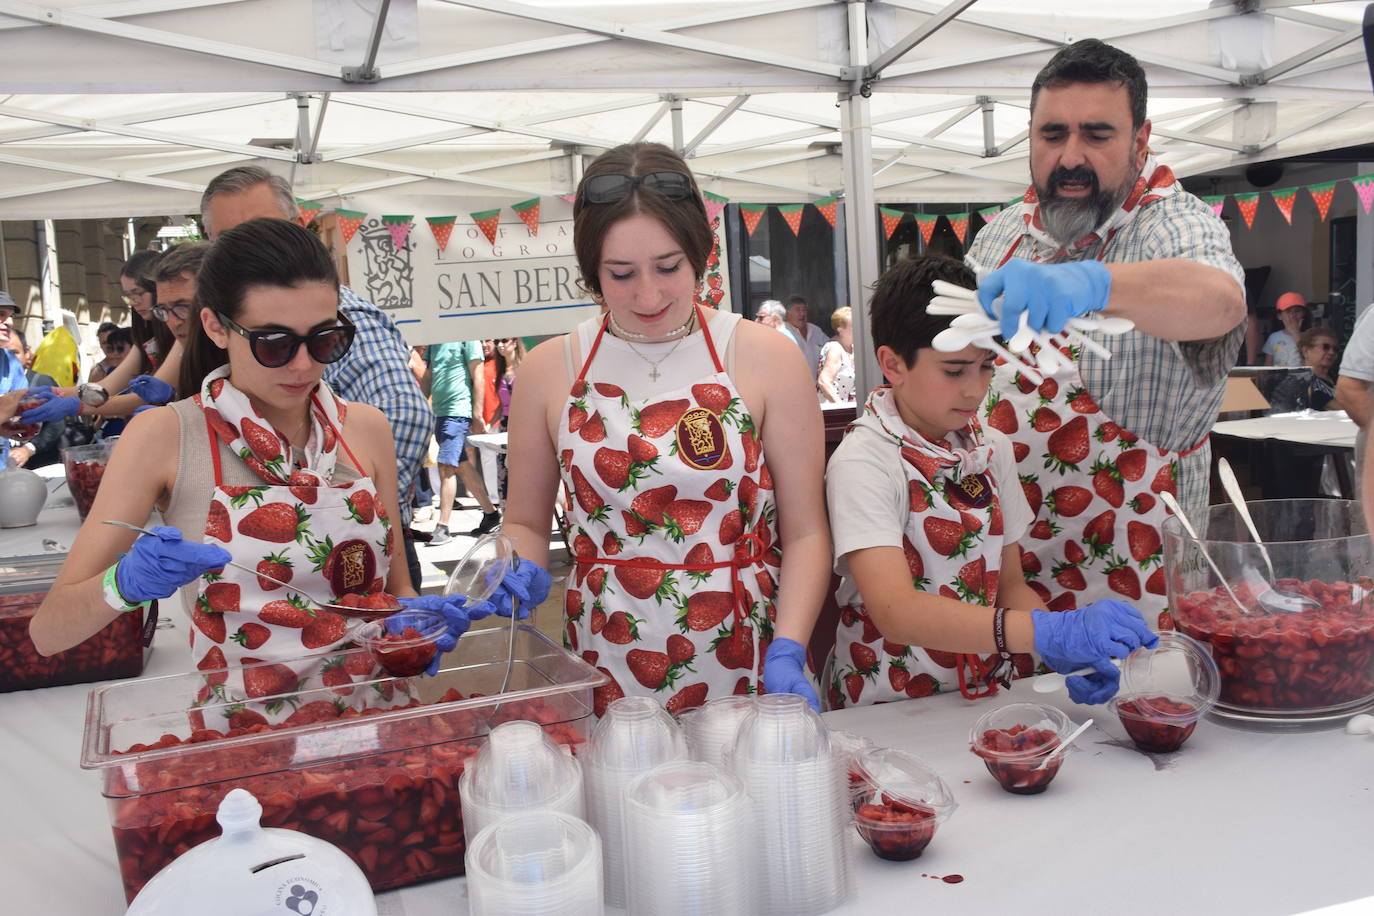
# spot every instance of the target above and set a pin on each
(263, 465)
(691, 443)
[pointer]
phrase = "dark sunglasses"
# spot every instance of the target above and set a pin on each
(274, 349)
(1324, 346)
(609, 188)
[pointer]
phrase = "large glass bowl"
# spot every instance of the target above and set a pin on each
(1280, 668)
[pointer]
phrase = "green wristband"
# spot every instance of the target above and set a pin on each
(110, 586)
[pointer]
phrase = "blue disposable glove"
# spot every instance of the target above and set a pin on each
(426, 613)
(156, 566)
(52, 408)
(142, 407)
(151, 389)
(1089, 637)
(527, 583)
(1049, 294)
(784, 670)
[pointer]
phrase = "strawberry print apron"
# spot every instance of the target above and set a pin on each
(297, 528)
(953, 544)
(1093, 486)
(673, 527)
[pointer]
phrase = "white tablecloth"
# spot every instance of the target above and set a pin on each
(1309, 427)
(1237, 822)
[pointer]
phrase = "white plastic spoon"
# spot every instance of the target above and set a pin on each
(1053, 680)
(1063, 745)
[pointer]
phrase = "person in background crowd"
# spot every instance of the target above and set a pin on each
(491, 405)
(692, 443)
(1353, 386)
(423, 501)
(1281, 347)
(457, 388)
(1318, 391)
(1106, 228)
(375, 371)
(772, 314)
(835, 381)
(810, 337)
(112, 358)
(926, 511)
(45, 448)
(510, 353)
(12, 376)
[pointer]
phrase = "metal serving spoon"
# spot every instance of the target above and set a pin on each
(1172, 505)
(1274, 599)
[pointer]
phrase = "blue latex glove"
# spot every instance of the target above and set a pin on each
(138, 410)
(528, 584)
(784, 670)
(155, 567)
(151, 389)
(1049, 294)
(52, 408)
(427, 612)
(1089, 637)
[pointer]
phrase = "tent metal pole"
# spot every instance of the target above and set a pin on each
(675, 105)
(367, 72)
(861, 229)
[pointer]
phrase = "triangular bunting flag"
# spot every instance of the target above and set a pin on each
(1364, 186)
(891, 219)
(827, 207)
(442, 227)
(1321, 195)
(987, 213)
(309, 209)
(1284, 197)
(927, 226)
(1248, 204)
(751, 214)
(567, 197)
(959, 222)
(349, 221)
(714, 204)
(793, 214)
(1216, 202)
(487, 221)
(399, 226)
(528, 210)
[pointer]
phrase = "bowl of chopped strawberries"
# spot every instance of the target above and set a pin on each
(403, 654)
(1014, 740)
(899, 803)
(1310, 667)
(1164, 691)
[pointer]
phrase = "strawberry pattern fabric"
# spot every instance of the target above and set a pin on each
(1093, 488)
(297, 528)
(953, 544)
(673, 528)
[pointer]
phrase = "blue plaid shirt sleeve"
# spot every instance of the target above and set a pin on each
(376, 371)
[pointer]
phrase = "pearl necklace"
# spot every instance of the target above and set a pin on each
(654, 374)
(681, 331)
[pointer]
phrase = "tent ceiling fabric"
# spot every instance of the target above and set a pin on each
(482, 100)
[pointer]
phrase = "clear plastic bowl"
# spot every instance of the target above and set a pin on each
(398, 654)
(1165, 690)
(781, 728)
(1013, 741)
(535, 863)
(1278, 668)
(85, 466)
(519, 768)
(900, 802)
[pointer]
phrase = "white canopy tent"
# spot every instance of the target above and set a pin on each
(124, 108)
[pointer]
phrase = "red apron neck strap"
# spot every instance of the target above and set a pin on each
(710, 344)
(338, 434)
(214, 449)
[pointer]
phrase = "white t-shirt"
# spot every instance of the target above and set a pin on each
(866, 490)
(1358, 359)
(1283, 348)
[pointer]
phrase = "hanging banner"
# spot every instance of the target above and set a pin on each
(793, 214)
(528, 211)
(479, 280)
(1248, 204)
(1216, 202)
(399, 227)
(1364, 186)
(1321, 196)
(349, 221)
(714, 204)
(309, 210)
(1284, 198)
(927, 226)
(751, 214)
(827, 207)
(959, 222)
(891, 219)
(987, 213)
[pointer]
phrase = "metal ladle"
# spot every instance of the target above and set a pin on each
(1172, 505)
(1274, 599)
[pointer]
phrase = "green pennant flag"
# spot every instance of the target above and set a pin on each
(827, 206)
(1216, 202)
(309, 209)
(1284, 198)
(987, 213)
(751, 214)
(714, 204)
(442, 227)
(349, 221)
(793, 214)
(528, 210)
(1364, 186)
(1248, 203)
(891, 219)
(926, 223)
(1321, 196)
(399, 227)
(959, 222)
(487, 221)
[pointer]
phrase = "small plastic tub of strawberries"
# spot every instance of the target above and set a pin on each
(85, 466)
(117, 651)
(1014, 741)
(409, 650)
(368, 762)
(14, 428)
(1164, 691)
(899, 803)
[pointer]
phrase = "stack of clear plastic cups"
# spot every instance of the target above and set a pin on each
(901, 803)
(635, 735)
(689, 842)
(535, 863)
(846, 747)
(711, 728)
(518, 769)
(801, 809)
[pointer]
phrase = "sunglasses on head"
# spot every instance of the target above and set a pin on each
(612, 187)
(274, 349)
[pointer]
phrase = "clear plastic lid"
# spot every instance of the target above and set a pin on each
(907, 780)
(782, 728)
(1030, 730)
(519, 766)
(634, 735)
(1175, 681)
(21, 575)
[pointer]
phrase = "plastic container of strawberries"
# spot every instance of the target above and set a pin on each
(374, 773)
(115, 652)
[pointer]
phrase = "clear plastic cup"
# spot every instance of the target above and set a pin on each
(403, 654)
(901, 803)
(85, 466)
(541, 862)
(711, 728)
(782, 728)
(1165, 690)
(846, 746)
(690, 842)
(519, 769)
(1014, 740)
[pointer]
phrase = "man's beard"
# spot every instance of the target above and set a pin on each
(1068, 219)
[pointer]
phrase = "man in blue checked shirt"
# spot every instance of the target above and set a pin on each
(376, 370)
(12, 377)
